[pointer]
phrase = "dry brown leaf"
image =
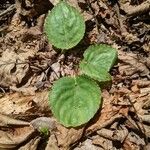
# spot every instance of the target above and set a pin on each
(145, 90)
(10, 73)
(104, 143)
(127, 145)
(141, 83)
(136, 10)
(147, 130)
(52, 143)
(13, 137)
(133, 142)
(31, 145)
(117, 135)
(145, 118)
(19, 104)
(68, 136)
(108, 114)
(20, 56)
(87, 145)
(41, 99)
(142, 101)
(6, 121)
(16, 104)
(131, 64)
(146, 104)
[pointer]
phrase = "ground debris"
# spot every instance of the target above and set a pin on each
(31, 145)
(29, 65)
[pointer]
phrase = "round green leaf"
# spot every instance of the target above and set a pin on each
(98, 59)
(74, 100)
(64, 26)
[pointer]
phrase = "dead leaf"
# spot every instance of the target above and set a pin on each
(131, 65)
(141, 83)
(134, 138)
(18, 104)
(145, 90)
(102, 142)
(107, 116)
(13, 137)
(67, 136)
(44, 122)
(7, 121)
(87, 145)
(52, 143)
(31, 145)
(11, 73)
(116, 135)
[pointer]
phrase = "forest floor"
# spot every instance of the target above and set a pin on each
(29, 65)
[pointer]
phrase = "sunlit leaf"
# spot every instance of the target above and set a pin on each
(64, 26)
(98, 59)
(74, 100)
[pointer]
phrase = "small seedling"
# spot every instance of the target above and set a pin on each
(75, 100)
(44, 131)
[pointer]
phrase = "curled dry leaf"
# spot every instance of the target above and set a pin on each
(135, 139)
(52, 143)
(136, 10)
(68, 136)
(16, 104)
(117, 135)
(102, 142)
(31, 145)
(142, 101)
(131, 65)
(19, 104)
(10, 72)
(12, 137)
(7, 121)
(141, 83)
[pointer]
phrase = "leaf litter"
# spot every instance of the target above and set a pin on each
(29, 65)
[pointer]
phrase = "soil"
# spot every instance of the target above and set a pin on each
(29, 65)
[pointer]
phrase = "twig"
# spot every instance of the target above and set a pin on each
(8, 10)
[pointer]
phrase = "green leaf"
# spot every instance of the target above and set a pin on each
(98, 59)
(64, 26)
(74, 100)
(94, 72)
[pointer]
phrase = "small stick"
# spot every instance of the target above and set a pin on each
(8, 10)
